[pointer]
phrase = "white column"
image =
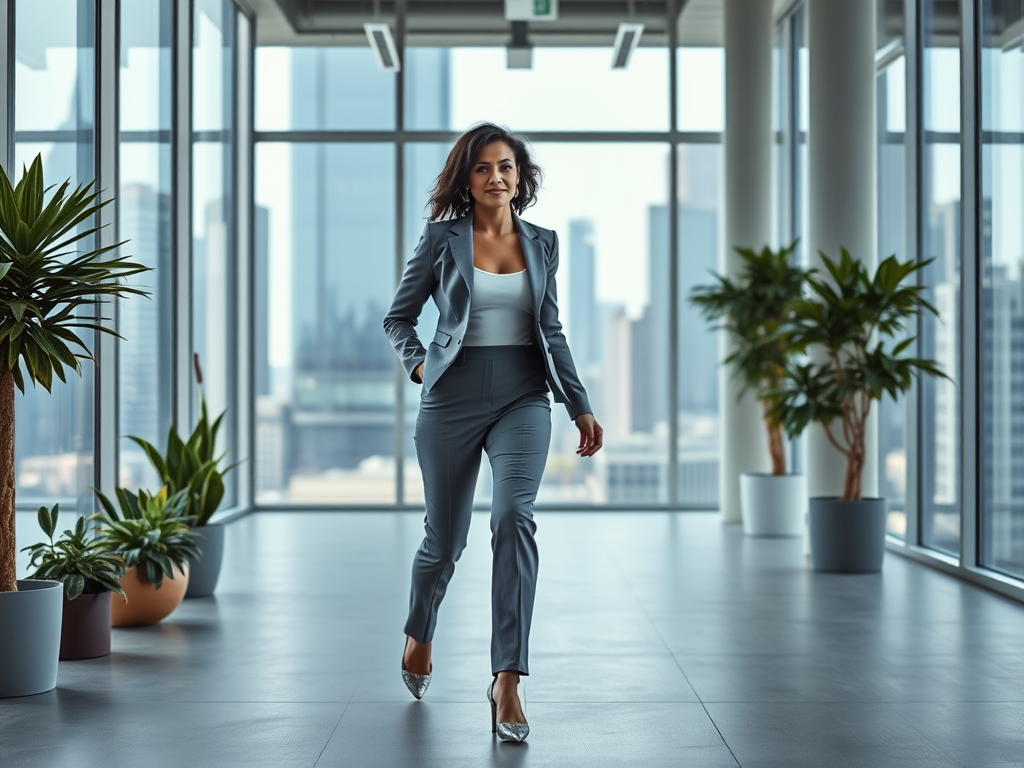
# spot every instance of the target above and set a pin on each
(748, 212)
(841, 180)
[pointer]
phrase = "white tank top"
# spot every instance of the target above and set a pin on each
(500, 310)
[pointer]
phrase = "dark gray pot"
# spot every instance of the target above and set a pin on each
(202, 581)
(30, 621)
(847, 536)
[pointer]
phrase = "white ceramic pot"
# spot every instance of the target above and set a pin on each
(773, 505)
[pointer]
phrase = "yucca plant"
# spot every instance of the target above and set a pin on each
(150, 532)
(192, 464)
(751, 308)
(848, 327)
(77, 560)
(48, 297)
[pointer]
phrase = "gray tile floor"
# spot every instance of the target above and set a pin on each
(659, 640)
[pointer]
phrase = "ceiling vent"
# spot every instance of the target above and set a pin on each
(625, 41)
(383, 46)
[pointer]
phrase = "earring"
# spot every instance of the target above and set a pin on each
(465, 196)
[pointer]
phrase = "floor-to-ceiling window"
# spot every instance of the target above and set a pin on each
(940, 338)
(214, 240)
(145, 195)
(54, 117)
(891, 156)
(608, 198)
(325, 240)
(1002, 287)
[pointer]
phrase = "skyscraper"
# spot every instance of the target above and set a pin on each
(583, 327)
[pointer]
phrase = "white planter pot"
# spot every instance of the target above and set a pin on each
(773, 505)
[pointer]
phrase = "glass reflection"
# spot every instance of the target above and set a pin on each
(1002, 298)
(940, 338)
(145, 371)
(892, 419)
(325, 245)
(54, 55)
(213, 220)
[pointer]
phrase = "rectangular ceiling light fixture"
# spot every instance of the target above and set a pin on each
(383, 46)
(626, 40)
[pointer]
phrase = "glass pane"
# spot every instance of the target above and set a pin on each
(1002, 298)
(54, 55)
(618, 328)
(892, 417)
(213, 220)
(325, 245)
(567, 89)
(145, 372)
(701, 89)
(940, 339)
(322, 89)
(700, 214)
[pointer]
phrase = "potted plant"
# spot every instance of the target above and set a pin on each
(751, 308)
(89, 574)
(193, 465)
(48, 295)
(157, 545)
(852, 329)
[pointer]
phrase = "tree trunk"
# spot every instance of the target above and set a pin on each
(8, 564)
(854, 472)
(777, 450)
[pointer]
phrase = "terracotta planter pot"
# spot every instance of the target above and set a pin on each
(85, 631)
(145, 603)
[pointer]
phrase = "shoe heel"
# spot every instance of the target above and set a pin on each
(494, 709)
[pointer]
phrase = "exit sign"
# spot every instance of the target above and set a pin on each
(531, 10)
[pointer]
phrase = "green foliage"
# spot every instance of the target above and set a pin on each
(751, 309)
(192, 464)
(851, 334)
(151, 532)
(48, 293)
(82, 565)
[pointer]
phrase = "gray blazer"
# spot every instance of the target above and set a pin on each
(442, 267)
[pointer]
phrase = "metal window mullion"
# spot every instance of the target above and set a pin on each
(399, 372)
(105, 396)
(181, 153)
(970, 281)
(7, 70)
(673, 262)
(786, 165)
(245, 373)
(912, 231)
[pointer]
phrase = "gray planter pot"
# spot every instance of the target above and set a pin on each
(30, 621)
(202, 581)
(847, 536)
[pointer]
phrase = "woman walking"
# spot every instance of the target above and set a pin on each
(496, 353)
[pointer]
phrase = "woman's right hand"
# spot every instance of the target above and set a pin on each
(419, 372)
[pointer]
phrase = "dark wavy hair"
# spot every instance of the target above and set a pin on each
(446, 197)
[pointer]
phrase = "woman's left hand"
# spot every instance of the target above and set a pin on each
(591, 434)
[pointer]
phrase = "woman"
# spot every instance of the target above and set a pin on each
(497, 350)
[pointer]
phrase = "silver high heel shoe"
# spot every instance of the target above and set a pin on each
(506, 731)
(417, 684)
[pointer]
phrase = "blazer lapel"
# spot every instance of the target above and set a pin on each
(534, 255)
(460, 240)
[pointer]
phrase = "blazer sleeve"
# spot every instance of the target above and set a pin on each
(576, 395)
(417, 284)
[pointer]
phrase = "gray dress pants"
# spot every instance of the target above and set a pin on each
(492, 399)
